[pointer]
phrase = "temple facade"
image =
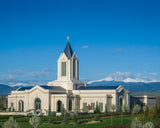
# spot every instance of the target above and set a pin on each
(70, 92)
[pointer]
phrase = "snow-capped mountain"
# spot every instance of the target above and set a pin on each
(132, 82)
(131, 86)
(13, 83)
(127, 77)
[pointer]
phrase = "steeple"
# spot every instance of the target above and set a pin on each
(68, 50)
(68, 70)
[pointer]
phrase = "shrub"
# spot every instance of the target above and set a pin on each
(96, 118)
(8, 116)
(157, 124)
(85, 109)
(65, 119)
(49, 111)
(145, 108)
(76, 110)
(148, 125)
(62, 110)
(23, 119)
(106, 111)
(113, 107)
(126, 108)
(51, 120)
(141, 117)
(34, 121)
(136, 109)
(136, 123)
(11, 123)
(152, 112)
(97, 110)
(75, 118)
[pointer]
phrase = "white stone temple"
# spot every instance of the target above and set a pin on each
(70, 92)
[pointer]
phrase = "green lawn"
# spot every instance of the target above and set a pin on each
(106, 121)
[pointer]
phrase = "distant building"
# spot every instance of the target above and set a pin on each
(70, 92)
(142, 100)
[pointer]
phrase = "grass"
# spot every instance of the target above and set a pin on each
(106, 121)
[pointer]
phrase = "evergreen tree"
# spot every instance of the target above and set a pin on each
(145, 110)
(85, 109)
(106, 111)
(65, 119)
(49, 111)
(76, 110)
(62, 109)
(75, 118)
(97, 110)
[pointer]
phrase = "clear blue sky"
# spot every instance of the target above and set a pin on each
(107, 35)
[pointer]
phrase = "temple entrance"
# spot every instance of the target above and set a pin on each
(120, 102)
(37, 104)
(70, 105)
(21, 106)
(59, 105)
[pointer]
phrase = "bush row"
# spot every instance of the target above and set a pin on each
(7, 116)
(21, 118)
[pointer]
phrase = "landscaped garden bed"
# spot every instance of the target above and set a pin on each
(140, 116)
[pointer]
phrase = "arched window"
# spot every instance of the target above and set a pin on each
(21, 106)
(63, 68)
(70, 105)
(37, 104)
(59, 105)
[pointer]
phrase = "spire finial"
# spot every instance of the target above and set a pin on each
(67, 38)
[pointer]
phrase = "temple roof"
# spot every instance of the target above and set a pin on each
(24, 88)
(68, 51)
(54, 89)
(98, 88)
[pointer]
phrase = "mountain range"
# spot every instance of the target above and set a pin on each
(5, 89)
(131, 86)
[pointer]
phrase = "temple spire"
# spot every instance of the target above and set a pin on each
(68, 50)
(67, 39)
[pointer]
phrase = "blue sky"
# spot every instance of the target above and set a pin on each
(107, 36)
